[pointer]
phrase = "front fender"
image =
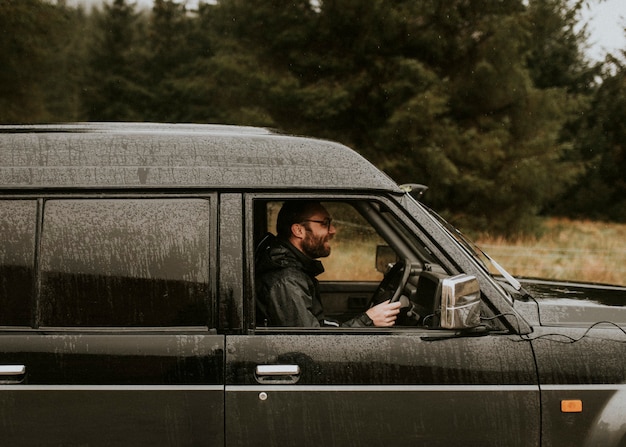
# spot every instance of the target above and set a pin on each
(609, 428)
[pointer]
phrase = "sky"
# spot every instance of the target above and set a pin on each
(606, 22)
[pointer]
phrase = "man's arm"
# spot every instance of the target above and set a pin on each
(290, 302)
(381, 315)
(384, 314)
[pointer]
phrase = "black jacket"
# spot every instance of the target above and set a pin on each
(287, 290)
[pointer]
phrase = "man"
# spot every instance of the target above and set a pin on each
(286, 267)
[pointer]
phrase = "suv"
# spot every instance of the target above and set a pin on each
(127, 306)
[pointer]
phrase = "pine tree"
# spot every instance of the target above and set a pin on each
(600, 143)
(32, 33)
(115, 88)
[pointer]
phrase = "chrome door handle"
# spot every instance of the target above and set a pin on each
(277, 373)
(277, 370)
(12, 374)
(12, 370)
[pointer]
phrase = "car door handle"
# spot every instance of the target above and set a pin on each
(277, 373)
(10, 374)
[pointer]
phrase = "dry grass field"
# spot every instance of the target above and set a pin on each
(567, 250)
(575, 250)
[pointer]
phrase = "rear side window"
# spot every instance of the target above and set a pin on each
(125, 263)
(17, 252)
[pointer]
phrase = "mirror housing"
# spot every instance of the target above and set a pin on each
(460, 302)
(386, 258)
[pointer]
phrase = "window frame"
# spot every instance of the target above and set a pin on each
(396, 209)
(30, 306)
(210, 300)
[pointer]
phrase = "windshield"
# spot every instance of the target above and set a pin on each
(486, 262)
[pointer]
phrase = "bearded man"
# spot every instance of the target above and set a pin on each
(287, 266)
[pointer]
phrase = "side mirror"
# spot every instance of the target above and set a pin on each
(386, 257)
(460, 302)
(447, 302)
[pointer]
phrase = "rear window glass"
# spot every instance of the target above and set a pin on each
(125, 263)
(17, 251)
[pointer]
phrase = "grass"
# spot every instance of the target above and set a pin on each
(574, 250)
(351, 260)
(567, 250)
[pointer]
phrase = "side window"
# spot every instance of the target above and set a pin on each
(353, 256)
(351, 274)
(17, 253)
(125, 263)
(334, 260)
(354, 246)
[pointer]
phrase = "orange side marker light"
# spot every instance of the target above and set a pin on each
(572, 406)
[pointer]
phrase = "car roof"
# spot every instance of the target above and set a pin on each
(147, 155)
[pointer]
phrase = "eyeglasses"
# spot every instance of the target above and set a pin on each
(326, 223)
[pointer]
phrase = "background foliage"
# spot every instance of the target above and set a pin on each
(491, 103)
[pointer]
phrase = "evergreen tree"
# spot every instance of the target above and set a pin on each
(115, 87)
(558, 44)
(63, 81)
(202, 83)
(31, 44)
(485, 100)
(256, 65)
(170, 50)
(600, 193)
(436, 92)
(489, 143)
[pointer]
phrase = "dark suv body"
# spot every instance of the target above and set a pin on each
(127, 306)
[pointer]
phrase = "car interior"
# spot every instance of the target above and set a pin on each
(374, 258)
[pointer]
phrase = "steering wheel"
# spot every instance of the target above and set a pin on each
(392, 284)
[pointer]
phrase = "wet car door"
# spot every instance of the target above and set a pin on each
(107, 388)
(371, 386)
(119, 349)
(397, 388)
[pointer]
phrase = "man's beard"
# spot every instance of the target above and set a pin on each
(315, 247)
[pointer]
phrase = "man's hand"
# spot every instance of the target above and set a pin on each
(384, 314)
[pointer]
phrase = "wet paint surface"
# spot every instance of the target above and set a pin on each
(17, 260)
(562, 303)
(103, 389)
(177, 386)
(405, 389)
(588, 364)
(201, 156)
